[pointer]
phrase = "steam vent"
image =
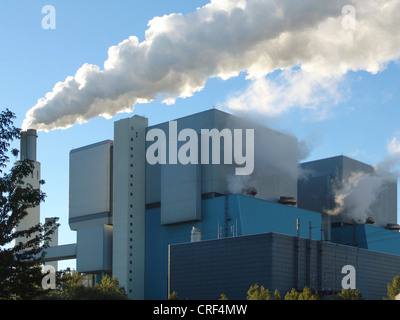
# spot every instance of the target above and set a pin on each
(201, 230)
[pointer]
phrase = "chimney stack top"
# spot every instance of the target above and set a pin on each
(28, 144)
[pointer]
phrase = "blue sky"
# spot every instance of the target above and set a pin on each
(360, 118)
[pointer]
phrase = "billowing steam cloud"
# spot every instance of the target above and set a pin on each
(357, 194)
(223, 39)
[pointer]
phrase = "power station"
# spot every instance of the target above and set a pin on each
(201, 230)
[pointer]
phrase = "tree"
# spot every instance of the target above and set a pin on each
(393, 289)
(223, 297)
(173, 296)
(306, 294)
(260, 293)
(71, 286)
(110, 289)
(292, 295)
(277, 295)
(348, 294)
(20, 264)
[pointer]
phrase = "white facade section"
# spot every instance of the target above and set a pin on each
(33, 216)
(129, 205)
(90, 185)
(94, 249)
(180, 193)
(61, 252)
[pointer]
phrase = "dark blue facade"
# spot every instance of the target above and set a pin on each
(204, 270)
(222, 217)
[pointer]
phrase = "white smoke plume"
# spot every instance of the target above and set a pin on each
(357, 194)
(223, 39)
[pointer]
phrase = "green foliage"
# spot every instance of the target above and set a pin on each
(20, 263)
(306, 294)
(393, 289)
(173, 296)
(348, 294)
(277, 295)
(71, 286)
(8, 133)
(223, 297)
(110, 289)
(260, 293)
(292, 295)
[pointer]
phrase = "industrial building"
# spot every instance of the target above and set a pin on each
(200, 229)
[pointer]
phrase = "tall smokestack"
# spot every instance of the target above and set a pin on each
(28, 145)
(28, 152)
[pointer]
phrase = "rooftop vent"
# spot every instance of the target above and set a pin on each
(392, 226)
(288, 201)
(251, 191)
(369, 220)
(196, 234)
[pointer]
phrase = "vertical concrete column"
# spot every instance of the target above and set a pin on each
(129, 207)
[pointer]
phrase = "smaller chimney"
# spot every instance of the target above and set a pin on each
(28, 145)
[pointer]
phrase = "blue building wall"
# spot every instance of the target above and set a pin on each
(260, 216)
(234, 215)
(368, 237)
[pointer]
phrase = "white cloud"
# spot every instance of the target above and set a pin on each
(292, 88)
(325, 53)
(394, 146)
